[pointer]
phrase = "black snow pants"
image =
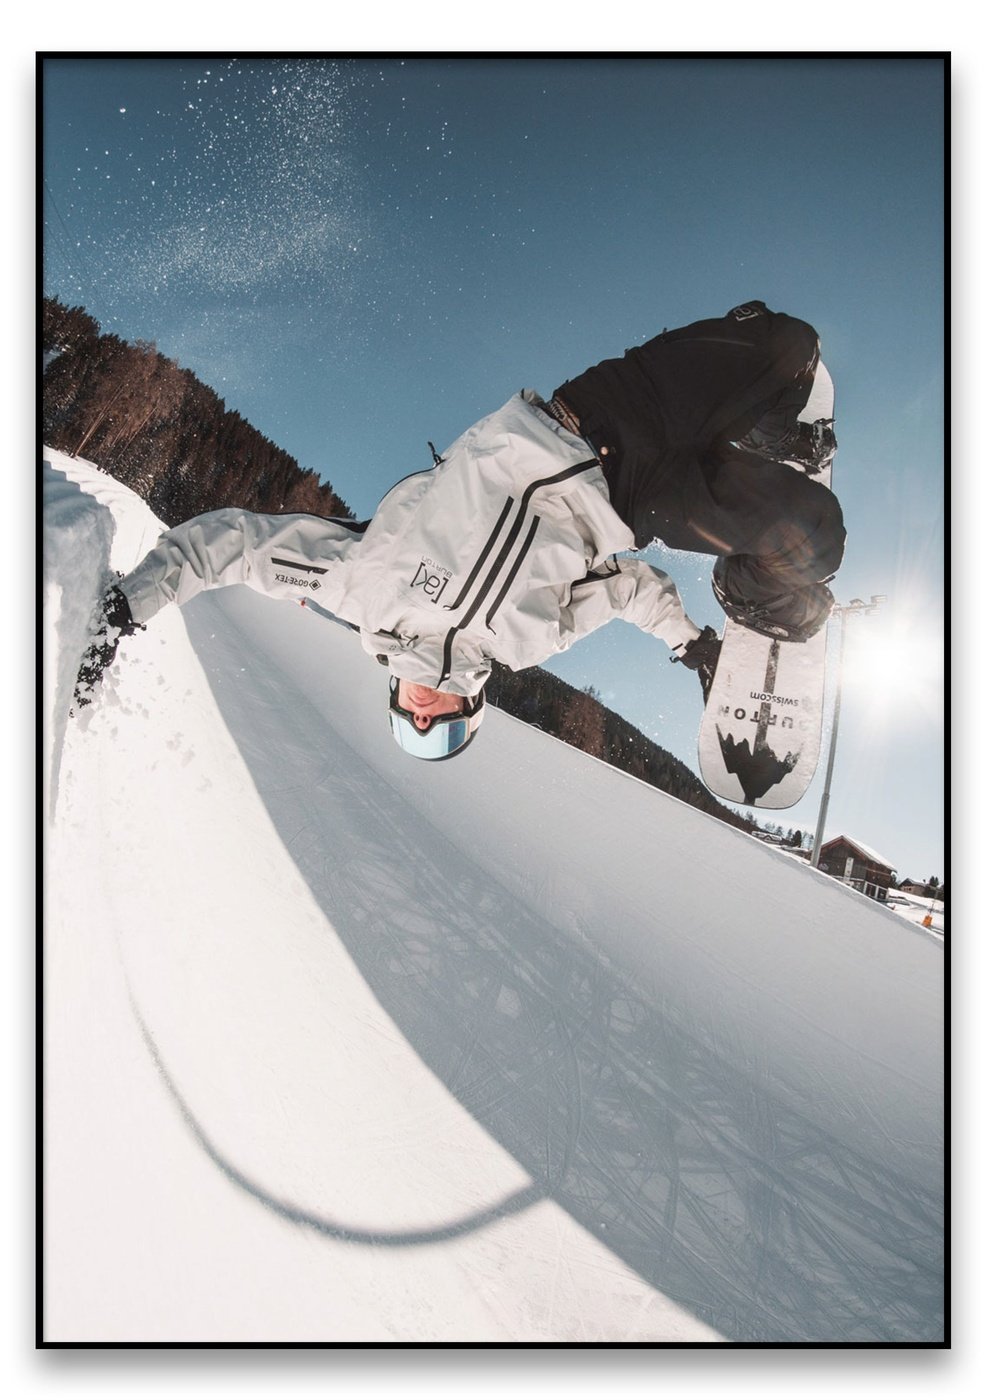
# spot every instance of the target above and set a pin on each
(664, 419)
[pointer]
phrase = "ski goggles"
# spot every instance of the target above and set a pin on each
(446, 735)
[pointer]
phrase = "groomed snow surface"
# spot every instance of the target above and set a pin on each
(341, 1047)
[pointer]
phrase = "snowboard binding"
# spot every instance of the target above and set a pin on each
(793, 616)
(809, 446)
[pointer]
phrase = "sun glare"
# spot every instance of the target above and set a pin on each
(894, 668)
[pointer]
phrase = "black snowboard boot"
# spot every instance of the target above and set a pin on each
(810, 445)
(116, 622)
(701, 655)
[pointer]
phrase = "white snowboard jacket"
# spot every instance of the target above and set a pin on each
(505, 550)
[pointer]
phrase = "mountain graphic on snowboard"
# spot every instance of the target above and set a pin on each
(759, 766)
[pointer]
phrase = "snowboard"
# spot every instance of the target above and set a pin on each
(760, 735)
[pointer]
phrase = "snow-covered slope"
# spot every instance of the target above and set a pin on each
(340, 1046)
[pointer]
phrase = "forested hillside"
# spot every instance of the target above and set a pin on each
(160, 430)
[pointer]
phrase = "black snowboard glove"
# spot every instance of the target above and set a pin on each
(116, 622)
(701, 655)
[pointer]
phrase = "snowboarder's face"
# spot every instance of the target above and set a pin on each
(424, 704)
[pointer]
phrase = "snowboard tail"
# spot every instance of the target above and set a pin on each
(761, 732)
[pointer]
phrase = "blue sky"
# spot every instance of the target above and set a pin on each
(362, 256)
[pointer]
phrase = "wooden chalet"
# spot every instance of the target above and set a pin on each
(857, 865)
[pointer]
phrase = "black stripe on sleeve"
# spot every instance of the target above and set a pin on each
(489, 545)
(510, 578)
(291, 564)
(503, 554)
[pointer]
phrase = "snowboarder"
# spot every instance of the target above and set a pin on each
(512, 546)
